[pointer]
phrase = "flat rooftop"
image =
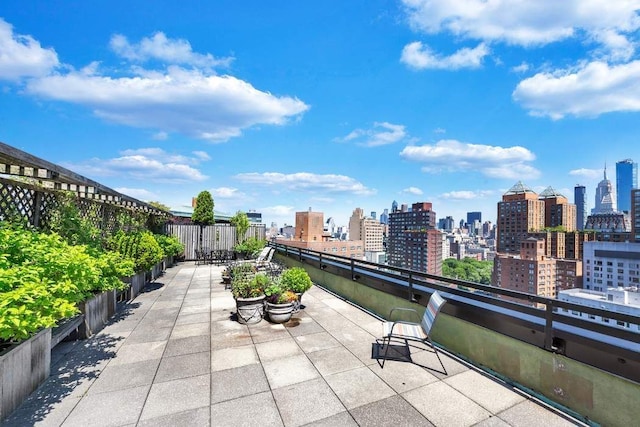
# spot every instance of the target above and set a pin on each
(175, 357)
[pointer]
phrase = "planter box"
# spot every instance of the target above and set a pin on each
(136, 282)
(23, 369)
(156, 271)
(97, 311)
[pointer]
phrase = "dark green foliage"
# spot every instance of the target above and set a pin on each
(468, 269)
(203, 212)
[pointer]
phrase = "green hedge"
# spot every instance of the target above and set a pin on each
(170, 245)
(141, 246)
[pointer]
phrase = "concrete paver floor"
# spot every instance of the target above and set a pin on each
(175, 357)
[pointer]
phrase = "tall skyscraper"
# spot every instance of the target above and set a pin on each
(626, 180)
(394, 206)
(580, 200)
(473, 216)
(384, 217)
(519, 212)
(414, 242)
(605, 199)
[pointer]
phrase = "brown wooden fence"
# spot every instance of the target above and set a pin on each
(214, 237)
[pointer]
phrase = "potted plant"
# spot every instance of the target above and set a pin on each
(279, 302)
(248, 290)
(296, 280)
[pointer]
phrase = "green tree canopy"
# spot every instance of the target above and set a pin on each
(241, 221)
(468, 269)
(203, 212)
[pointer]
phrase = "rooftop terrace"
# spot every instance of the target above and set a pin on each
(175, 357)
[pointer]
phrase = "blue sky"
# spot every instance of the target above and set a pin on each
(281, 106)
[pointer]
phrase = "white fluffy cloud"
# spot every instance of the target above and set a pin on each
(420, 57)
(160, 47)
(413, 190)
(148, 164)
(190, 102)
(523, 22)
(383, 133)
(226, 192)
(304, 181)
(467, 195)
(589, 90)
(587, 173)
(456, 156)
(22, 56)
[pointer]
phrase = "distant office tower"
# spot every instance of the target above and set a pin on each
(414, 242)
(394, 206)
(384, 217)
(446, 224)
(354, 224)
(461, 224)
(373, 214)
(605, 199)
(580, 200)
(474, 216)
(626, 180)
(558, 212)
(519, 212)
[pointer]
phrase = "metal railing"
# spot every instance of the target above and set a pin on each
(534, 319)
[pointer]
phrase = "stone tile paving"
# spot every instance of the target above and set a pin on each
(175, 356)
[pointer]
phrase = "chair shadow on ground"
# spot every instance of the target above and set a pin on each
(401, 353)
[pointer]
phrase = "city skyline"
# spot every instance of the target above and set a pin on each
(332, 107)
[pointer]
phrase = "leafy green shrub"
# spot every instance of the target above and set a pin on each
(170, 245)
(245, 283)
(42, 278)
(296, 279)
(140, 246)
(250, 247)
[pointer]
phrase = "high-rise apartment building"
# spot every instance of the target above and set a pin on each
(370, 231)
(414, 242)
(580, 200)
(530, 271)
(558, 212)
(519, 213)
(635, 215)
(626, 180)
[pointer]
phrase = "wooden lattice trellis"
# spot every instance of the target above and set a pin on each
(32, 189)
(27, 203)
